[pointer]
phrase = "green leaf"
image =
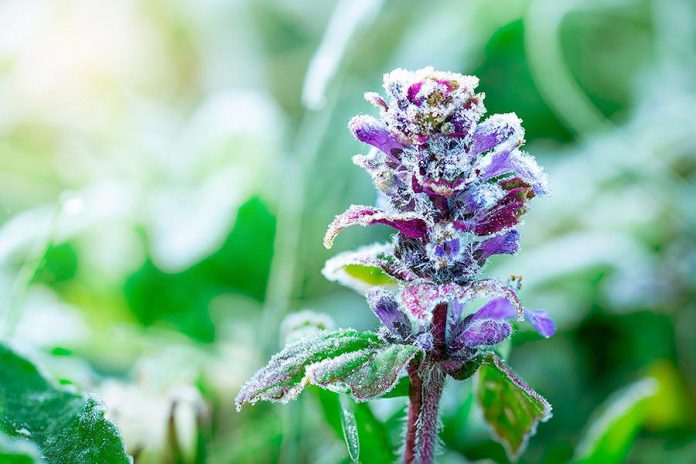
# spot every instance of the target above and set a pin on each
(510, 407)
(611, 434)
(68, 428)
(350, 428)
(18, 451)
(468, 369)
(401, 389)
(344, 361)
(375, 442)
(364, 374)
(369, 275)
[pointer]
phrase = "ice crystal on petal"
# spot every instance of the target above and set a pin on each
(410, 224)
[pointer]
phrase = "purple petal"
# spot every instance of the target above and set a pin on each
(483, 332)
(376, 100)
(501, 308)
(419, 299)
(497, 308)
(504, 215)
(541, 322)
(507, 243)
(425, 341)
(502, 131)
(387, 309)
(373, 132)
(520, 165)
(412, 93)
(412, 225)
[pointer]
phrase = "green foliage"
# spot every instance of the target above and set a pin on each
(510, 407)
(610, 436)
(345, 361)
(182, 299)
(67, 427)
(349, 426)
(368, 274)
(375, 444)
(18, 451)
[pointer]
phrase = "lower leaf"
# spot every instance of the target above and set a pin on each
(510, 407)
(66, 427)
(345, 361)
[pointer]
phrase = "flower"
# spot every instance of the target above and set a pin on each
(453, 187)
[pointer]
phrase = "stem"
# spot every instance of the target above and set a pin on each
(427, 382)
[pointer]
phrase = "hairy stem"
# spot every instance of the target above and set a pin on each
(427, 382)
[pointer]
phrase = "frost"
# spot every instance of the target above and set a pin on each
(410, 224)
(350, 428)
(510, 407)
(420, 299)
(364, 268)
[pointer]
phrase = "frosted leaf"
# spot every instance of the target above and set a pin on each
(510, 408)
(410, 224)
(285, 375)
(365, 267)
(350, 428)
(364, 375)
(65, 426)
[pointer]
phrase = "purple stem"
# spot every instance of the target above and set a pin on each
(427, 382)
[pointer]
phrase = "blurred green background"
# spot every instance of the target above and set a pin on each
(168, 168)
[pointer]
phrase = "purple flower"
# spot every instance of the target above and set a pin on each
(489, 326)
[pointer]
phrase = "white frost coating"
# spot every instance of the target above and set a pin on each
(347, 17)
(284, 377)
(364, 216)
(507, 129)
(445, 94)
(420, 299)
(350, 428)
(334, 269)
(486, 195)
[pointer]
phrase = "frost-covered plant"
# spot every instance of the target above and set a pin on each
(454, 188)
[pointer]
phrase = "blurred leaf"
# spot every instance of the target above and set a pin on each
(350, 427)
(511, 408)
(375, 445)
(344, 361)
(67, 427)
(506, 70)
(182, 299)
(18, 451)
(611, 434)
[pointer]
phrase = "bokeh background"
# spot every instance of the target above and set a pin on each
(168, 168)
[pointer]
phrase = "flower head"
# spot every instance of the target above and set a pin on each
(452, 186)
